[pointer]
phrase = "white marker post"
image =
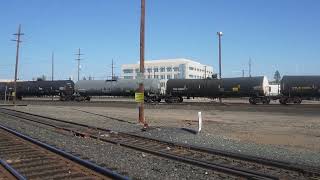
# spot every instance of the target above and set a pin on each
(200, 122)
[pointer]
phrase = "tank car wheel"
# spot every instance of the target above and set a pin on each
(147, 100)
(252, 101)
(300, 101)
(266, 100)
(283, 101)
(297, 100)
(167, 100)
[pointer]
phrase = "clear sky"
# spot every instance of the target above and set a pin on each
(279, 35)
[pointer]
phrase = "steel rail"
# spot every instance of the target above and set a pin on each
(213, 166)
(271, 162)
(11, 170)
(85, 163)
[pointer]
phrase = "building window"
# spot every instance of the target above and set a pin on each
(155, 69)
(137, 70)
(149, 76)
(156, 76)
(162, 77)
(190, 76)
(128, 77)
(176, 69)
(149, 70)
(162, 69)
(169, 69)
(168, 76)
(126, 71)
(176, 76)
(191, 68)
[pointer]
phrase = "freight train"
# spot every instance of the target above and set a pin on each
(67, 90)
(62, 88)
(121, 87)
(294, 89)
(257, 88)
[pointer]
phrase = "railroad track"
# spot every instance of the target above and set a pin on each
(229, 163)
(25, 158)
(7, 172)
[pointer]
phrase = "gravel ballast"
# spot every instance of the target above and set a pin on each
(134, 164)
(174, 133)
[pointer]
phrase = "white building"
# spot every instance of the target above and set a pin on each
(168, 69)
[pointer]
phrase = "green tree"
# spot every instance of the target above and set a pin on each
(277, 76)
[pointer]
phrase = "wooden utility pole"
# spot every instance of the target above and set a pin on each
(141, 86)
(250, 67)
(112, 66)
(78, 59)
(52, 72)
(18, 35)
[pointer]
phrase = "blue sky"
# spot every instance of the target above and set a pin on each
(276, 34)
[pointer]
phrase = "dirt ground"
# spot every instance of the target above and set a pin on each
(298, 131)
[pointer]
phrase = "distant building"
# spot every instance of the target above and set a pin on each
(7, 80)
(168, 69)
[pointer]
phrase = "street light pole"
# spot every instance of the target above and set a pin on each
(219, 35)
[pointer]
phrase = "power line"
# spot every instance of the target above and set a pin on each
(18, 36)
(79, 59)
